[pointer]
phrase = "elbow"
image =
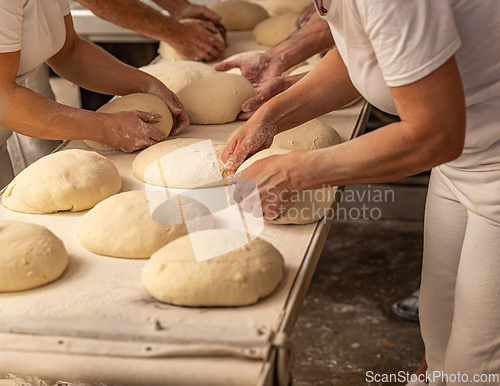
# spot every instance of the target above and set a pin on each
(448, 145)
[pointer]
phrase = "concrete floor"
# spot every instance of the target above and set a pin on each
(346, 327)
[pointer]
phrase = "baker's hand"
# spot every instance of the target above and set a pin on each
(195, 39)
(130, 130)
(193, 11)
(265, 188)
(256, 67)
(179, 115)
(251, 138)
(272, 88)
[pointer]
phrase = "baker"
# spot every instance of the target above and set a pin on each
(38, 31)
(435, 64)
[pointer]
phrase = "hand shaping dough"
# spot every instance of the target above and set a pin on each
(272, 31)
(238, 15)
(254, 57)
(186, 163)
(248, 272)
(216, 99)
(137, 101)
(31, 256)
(169, 53)
(307, 207)
(67, 180)
(282, 6)
(176, 75)
(136, 224)
(308, 136)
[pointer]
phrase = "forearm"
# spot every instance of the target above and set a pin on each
(31, 114)
(135, 15)
(324, 89)
(92, 68)
(315, 36)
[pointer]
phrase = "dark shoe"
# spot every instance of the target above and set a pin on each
(407, 309)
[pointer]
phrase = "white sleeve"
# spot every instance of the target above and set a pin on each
(410, 39)
(65, 8)
(11, 25)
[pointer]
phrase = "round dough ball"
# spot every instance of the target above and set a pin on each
(67, 180)
(241, 272)
(308, 136)
(31, 256)
(169, 53)
(282, 6)
(186, 163)
(238, 15)
(136, 224)
(307, 207)
(137, 101)
(302, 69)
(176, 75)
(272, 31)
(216, 99)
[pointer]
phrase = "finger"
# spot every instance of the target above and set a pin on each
(148, 117)
(229, 150)
(253, 103)
(225, 66)
(245, 116)
(180, 123)
(155, 134)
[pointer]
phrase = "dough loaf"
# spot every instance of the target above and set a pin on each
(283, 6)
(272, 31)
(169, 53)
(241, 274)
(216, 99)
(176, 75)
(308, 136)
(238, 15)
(136, 224)
(30, 257)
(307, 207)
(67, 180)
(185, 163)
(137, 101)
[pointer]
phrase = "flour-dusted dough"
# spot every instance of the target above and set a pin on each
(308, 206)
(136, 224)
(169, 53)
(184, 163)
(238, 15)
(305, 68)
(283, 6)
(272, 31)
(137, 101)
(311, 135)
(248, 272)
(67, 180)
(176, 75)
(216, 99)
(30, 257)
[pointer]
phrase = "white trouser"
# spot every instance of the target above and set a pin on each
(460, 293)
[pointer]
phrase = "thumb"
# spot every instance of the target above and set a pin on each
(225, 66)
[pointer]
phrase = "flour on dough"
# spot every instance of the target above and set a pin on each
(308, 206)
(184, 163)
(137, 101)
(311, 135)
(216, 99)
(238, 15)
(31, 256)
(241, 274)
(136, 224)
(176, 75)
(67, 180)
(274, 30)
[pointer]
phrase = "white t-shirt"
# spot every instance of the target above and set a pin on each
(36, 27)
(391, 43)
